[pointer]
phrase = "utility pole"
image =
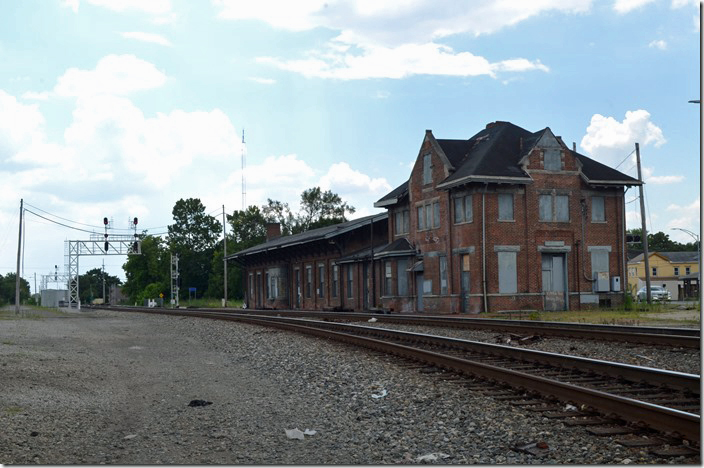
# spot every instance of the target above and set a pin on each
(644, 233)
(19, 251)
(103, 275)
(224, 254)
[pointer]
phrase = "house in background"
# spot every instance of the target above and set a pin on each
(667, 269)
(506, 220)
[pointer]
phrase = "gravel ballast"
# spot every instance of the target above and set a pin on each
(96, 387)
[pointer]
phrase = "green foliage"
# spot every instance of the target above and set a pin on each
(90, 285)
(660, 242)
(628, 302)
(318, 209)
(151, 291)
(153, 266)
(193, 237)
(8, 284)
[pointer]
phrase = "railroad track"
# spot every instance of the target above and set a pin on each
(604, 394)
(661, 336)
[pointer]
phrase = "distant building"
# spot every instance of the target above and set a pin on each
(54, 297)
(667, 269)
(507, 219)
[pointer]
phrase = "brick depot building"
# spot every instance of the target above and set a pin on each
(506, 220)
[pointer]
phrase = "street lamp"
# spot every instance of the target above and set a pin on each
(699, 255)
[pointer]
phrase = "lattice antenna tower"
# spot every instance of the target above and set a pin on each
(244, 183)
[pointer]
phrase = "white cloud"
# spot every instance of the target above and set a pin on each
(113, 74)
(147, 37)
(686, 217)
(651, 179)
(34, 96)
(342, 179)
(659, 44)
(20, 125)
(626, 6)
(394, 23)
(72, 4)
(609, 141)
(266, 81)
(395, 39)
(153, 7)
(399, 62)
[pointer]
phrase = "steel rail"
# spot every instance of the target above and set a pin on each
(639, 412)
(681, 337)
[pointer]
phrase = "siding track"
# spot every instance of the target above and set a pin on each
(646, 398)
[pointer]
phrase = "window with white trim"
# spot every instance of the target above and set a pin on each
(402, 276)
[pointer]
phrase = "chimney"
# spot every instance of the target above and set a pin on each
(273, 230)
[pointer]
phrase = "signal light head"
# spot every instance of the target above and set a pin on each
(105, 221)
(135, 221)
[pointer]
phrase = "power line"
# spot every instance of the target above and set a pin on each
(60, 224)
(88, 225)
(624, 159)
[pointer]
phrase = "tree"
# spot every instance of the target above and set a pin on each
(90, 285)
(193, 237)
(7, 289)
(153, 266)
(659, 241)
(318, 209)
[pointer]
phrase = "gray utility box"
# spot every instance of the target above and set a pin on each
(602, 281)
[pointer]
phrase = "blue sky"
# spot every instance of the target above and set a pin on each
(119, 108)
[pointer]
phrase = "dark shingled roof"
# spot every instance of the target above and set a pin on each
(399, 247)
(394, 196)
(495, 154)
(322, 233)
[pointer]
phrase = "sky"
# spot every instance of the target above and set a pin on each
(119, 108)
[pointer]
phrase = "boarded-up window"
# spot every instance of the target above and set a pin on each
(428, 217)
(459, 210)
(598, 213)
(600, 262)
(468, 213)
(562, 208)
(402, 276)
(443, 275)
(552, 160)
(350, 280)
(427, 286)
(387, 278)
(427, 169)
(508, 280)
(463, 209)
(506, 206)
(436, 215)
(545, 207)
(421, 218)
(335, 276)
(321, 280)
(309, 280)
(401, 224)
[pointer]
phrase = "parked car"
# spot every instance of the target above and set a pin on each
(658, 293)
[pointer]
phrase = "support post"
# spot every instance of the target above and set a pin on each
(224, 254)
(19, 251)
(644, 239)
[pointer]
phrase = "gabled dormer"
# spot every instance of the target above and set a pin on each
(547, 153)
(432, 165)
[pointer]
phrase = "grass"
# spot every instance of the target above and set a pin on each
(640, 314)
(30, 313)
(210, 303)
